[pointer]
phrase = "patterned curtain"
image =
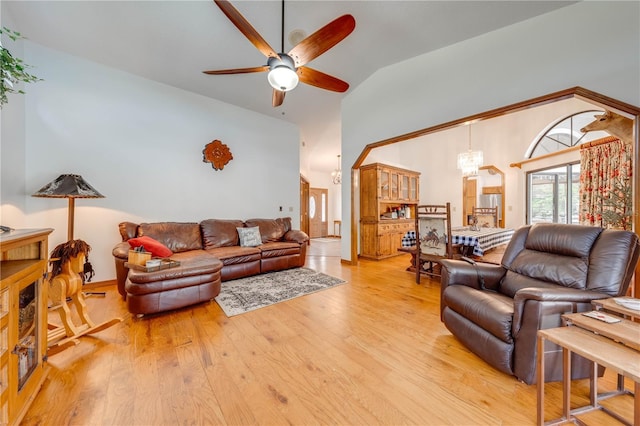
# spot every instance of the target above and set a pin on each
(605, 184)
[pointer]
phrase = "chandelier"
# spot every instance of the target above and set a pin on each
(469, 161)
(336, 175)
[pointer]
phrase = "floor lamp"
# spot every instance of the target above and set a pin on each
(70, 187)
(65, 287)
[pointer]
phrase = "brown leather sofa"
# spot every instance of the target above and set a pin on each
(199, 247)
(547, 270)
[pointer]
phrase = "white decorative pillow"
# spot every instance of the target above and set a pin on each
(249, 237)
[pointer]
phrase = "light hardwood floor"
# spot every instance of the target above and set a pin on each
(371, 351)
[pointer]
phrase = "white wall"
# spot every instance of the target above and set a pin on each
(140, 144)
(12, 160)
(590, 44)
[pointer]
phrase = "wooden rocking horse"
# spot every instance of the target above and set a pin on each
(65, 285)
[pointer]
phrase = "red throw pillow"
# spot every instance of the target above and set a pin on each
(156, 248)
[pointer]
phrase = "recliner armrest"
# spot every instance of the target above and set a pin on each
(562, 296)
(459, 272)
(296, 236)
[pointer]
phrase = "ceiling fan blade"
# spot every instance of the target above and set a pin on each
(245, 28)
(277, 98)
(238, 70)
(319, 79)
(322, 40)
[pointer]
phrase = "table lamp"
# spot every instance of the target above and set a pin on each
(71, 187)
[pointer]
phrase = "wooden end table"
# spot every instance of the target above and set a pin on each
(615, 346)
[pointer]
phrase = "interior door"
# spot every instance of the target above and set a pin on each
(318, 208)
(304, 205)
(469, 196)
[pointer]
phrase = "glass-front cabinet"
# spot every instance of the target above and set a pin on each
(26, 348)
(388, 200)
(23, 320)
(384, 189)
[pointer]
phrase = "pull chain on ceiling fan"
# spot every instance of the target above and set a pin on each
(287, 69)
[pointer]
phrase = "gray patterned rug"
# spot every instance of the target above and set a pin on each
(251, 293)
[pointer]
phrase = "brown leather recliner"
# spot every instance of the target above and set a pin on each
(547, 270)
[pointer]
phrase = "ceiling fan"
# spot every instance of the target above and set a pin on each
(287, 69)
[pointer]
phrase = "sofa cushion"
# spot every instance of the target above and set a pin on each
(491, 311)
(513, 282)
(278, 249)
(236, 254)
(567, 271)
(220, 233)
(178, 236)
(567, 240)
(271, 229)
(155, 247)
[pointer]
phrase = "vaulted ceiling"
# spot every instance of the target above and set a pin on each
(172, 42)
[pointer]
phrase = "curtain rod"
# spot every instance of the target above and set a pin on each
(596, 142)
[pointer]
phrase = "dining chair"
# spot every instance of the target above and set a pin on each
(433, 239)
(486, 217)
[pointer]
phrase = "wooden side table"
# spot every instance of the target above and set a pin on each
(611, 305)
(609, 345)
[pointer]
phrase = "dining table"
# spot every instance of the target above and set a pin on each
(481, 240)
(476, 242)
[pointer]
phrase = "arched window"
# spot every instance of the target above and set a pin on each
(564, 133)
(552, 193)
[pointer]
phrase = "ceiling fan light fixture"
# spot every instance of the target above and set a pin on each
(282, 74)
(283, 78)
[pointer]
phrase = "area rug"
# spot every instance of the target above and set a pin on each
(251, 293)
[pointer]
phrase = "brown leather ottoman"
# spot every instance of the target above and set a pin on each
(196, 280)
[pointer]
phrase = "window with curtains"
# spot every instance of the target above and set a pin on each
(599, 196)
(555, 194)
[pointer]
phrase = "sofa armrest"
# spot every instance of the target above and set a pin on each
(296, 236)
(128, 230)
(121, 250)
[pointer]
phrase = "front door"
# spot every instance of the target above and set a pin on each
(318, 198)
(304, 205)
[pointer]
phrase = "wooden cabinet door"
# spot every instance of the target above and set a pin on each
(385, 242)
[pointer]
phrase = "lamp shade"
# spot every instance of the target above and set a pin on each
(68, 186)
(71, 187)
(283, 78)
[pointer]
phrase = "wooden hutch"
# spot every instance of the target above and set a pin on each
(23, 320)
(388, 200)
